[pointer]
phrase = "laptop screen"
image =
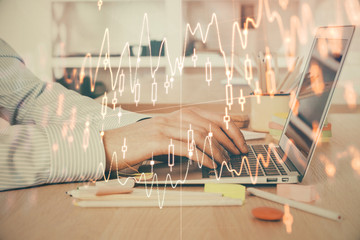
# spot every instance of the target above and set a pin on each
(316, 88)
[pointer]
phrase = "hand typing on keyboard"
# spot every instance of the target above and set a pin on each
(153, 136)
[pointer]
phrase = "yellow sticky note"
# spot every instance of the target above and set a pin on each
(226, 189)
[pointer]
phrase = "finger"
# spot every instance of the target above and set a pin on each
(231, 130)
(201, 141)
(180, 149)
(165, 145)
(200, 122)
(223, 139)
(211, 147)
(219, 140)
(238, 138)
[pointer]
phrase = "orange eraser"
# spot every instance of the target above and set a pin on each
(267, 213)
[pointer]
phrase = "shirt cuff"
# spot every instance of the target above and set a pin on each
(76, 154)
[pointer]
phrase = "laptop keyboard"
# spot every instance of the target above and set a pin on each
(274, 167)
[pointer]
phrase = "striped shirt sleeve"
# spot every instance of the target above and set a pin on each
(54, 133)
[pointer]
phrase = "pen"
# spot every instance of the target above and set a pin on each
(301, 206)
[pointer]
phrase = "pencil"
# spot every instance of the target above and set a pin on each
(295, 84)
(288, 74)
(259, 64)
(276, 68)
(156, 203)
(295, 204)
(262, 72)
(296, 71)
(142, 194)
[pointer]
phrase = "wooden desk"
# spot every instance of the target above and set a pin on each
(47, 212)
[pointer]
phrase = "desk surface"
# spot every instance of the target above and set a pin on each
(47, 212)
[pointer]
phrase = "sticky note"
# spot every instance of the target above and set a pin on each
(303, 193)
(226, 189)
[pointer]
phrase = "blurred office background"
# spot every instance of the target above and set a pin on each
(54, 36)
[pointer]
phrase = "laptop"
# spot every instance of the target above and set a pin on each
(288, 161)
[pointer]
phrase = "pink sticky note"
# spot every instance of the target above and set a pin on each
(303, 193)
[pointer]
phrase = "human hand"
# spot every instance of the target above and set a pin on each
(153, 136)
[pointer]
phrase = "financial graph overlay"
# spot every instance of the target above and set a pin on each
(301, 28)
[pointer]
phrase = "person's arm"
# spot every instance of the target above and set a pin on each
(45, 140)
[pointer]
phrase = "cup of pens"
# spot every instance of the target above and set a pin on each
(264, 106)
(271, 91)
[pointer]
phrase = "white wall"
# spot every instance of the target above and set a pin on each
(84, 24)
(333, 12)
(25, 25)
